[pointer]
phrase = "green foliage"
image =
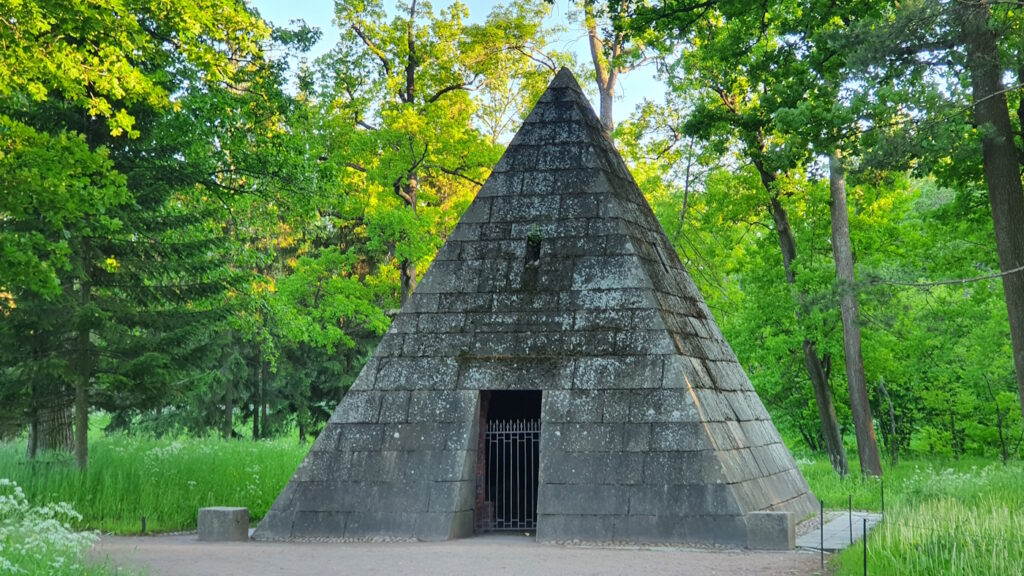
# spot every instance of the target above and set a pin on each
(941, 516)
(165, 480)
(58, 190)
(765, 89)
(91, 54)
(232, 249)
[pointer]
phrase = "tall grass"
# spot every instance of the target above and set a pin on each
(166, 481)
(961, 518)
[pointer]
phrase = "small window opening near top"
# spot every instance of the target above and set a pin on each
(533, 250)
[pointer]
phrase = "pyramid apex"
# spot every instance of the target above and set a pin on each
(564, 79)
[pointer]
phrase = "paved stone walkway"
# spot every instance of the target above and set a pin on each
(837, 530)
(184, 555)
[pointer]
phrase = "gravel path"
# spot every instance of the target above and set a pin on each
(184, 555)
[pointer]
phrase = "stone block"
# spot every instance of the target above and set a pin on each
(610, 468)
(390, 345)
(592, 343)
(580, 206)
(617, 299)
(463, 524)
(623, 372)
(673, 468)
(409, 496)
(327, 441)
(684, 436)
(670, 405)
(652, 528)
(440, 405)
(600, 319)
(519, 208)
(615, 407)
(452, 496)
(609, 272)
(771, 531)
(395, 407)
(585, 406)
(636, 437)
(502, 184)
(643, 341)
(374, 524)
(720, 530)
(275, 525)
(358, 406)
(561, 527)
(315, 524)
(223, 524)
(582, 499)
(589, 437)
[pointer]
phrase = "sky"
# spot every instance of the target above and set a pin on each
(632, 88)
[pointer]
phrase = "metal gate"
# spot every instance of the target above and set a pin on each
(512, 462)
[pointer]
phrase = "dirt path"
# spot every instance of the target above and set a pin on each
(184, 555)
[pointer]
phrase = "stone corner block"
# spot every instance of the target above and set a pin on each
(771, 531)
(223, 524)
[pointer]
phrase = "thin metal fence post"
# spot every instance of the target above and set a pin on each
(851, 517)
(865, 546)
(821, 516)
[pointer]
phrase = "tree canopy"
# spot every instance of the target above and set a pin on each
(205, 228)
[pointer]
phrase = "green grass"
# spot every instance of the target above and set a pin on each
(166, 481)
(960, 518)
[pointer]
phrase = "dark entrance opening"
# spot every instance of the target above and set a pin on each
(508, 458)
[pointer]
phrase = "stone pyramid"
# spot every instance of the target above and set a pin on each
(558, 279)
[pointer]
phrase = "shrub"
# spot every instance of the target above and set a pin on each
(39, 539)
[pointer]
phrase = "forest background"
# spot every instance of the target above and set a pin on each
(205, 231)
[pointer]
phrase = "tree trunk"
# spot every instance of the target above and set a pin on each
(408, 267)
(1020, 115)
(83, 377)
(408, 273)
(819, 379)
(33, 438)
(604, 70)
(52, 426)
(302, 414)
(816, 373)
(258, 401)
(81, 425)
(952, 434)
(826, 410)
(893, 443)
(1003, 449)
(255, 421)
(1005, 191)
(842, 251)
(229, 409)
